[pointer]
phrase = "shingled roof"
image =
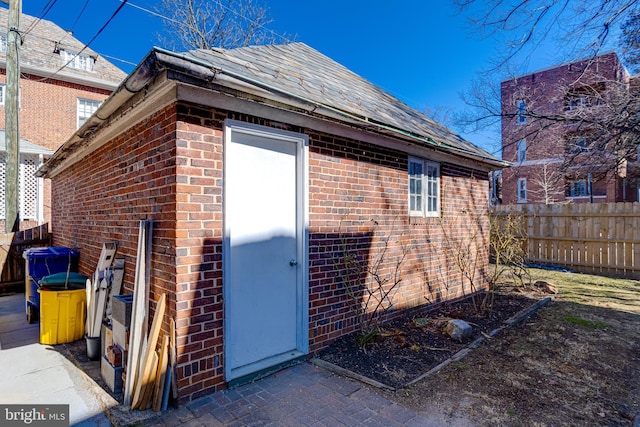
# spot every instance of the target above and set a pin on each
(304, 72)
(294, 77)
(40, 54)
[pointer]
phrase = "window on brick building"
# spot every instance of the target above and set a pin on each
(578, 188)
(424, 187)
(579, 145)
(521, 117)
(86, 107)
(522, 189)
(3, 93)
(3, 43)
(79, 61)
(522, 151)
(584, 97)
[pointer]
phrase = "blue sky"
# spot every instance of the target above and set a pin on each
(419, 51)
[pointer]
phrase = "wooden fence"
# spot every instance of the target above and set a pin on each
(12, 264)
(601, 238)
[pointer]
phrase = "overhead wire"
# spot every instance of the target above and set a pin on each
(73, 26)
(45, 10)
(86, 45)
(153, 13)
(166, 18)
(34, 34)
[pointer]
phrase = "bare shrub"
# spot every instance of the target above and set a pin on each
(370, 274)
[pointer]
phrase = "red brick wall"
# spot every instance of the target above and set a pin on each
(48, 109)
(356, 189)
(544, 93)
(358, 193)
(48, 117)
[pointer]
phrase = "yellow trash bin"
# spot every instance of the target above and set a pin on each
(62, 315)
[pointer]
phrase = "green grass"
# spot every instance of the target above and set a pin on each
(584, 322)
(589, 289)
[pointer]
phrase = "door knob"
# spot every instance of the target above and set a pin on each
(293, 263)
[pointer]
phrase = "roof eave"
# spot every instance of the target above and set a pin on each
(65, 76)
(159, 60)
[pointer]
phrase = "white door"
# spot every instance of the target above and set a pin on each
(265, 257)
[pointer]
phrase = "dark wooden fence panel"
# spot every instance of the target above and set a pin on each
(12, 264)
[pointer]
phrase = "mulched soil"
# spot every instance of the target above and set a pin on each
(411, 345)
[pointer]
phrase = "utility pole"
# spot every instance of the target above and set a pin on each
(12, 124)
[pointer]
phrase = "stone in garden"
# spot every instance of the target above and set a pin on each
(458, 329)
(545, 287)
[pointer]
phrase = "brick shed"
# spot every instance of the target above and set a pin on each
(264, 170)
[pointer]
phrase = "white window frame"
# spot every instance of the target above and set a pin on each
(77, 61)
(521, 155)
(85, 109)
(576, 184)
(3, 93)
(3, 43)
(521, 117)
(423, 188)
(577, 102)
(522, 190)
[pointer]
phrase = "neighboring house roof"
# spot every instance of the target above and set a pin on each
(292, 76)
(41, 54)
(586, 60)
(26, 147)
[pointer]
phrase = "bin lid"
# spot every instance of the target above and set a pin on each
(59, 280)
(49, 252)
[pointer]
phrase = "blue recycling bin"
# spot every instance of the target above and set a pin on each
(42, 262)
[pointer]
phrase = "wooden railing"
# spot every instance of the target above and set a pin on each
(602, 238)
(12, 264)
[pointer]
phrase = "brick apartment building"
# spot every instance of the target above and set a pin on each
(59, 89)
(557, 152)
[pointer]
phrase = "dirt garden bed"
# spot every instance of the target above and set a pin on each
(413, 345)
(575, 363)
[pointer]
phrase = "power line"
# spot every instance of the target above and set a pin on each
(113, 15)
(51, 55)
(153, 13)
(166, 18)
(45, 9)
(118, 59)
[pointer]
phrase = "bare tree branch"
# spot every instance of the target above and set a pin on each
(205, 24)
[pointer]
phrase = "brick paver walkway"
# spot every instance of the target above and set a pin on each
(302, 395)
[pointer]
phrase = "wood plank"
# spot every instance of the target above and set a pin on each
(137, 332)
(5, 247)
(148, 382)
(163, 363)
(137, 318)
(151, 349)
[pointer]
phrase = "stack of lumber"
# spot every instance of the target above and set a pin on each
(151, 356)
